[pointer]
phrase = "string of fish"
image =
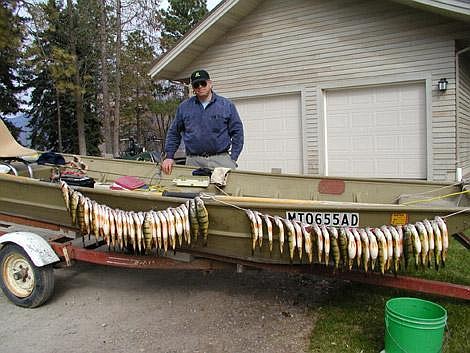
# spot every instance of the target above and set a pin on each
(389, 247)
(139, 231)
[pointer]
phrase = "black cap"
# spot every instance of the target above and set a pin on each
(199, 75)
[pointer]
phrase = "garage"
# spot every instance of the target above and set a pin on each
(377, 132)
(273, 138)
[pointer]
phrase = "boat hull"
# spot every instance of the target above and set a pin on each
(229, 227)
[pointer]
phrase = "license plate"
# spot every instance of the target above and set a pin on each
(339, 219)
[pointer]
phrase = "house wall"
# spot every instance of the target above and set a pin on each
(464, 113)
(308, 46)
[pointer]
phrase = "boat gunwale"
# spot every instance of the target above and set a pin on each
(240, 201)
(283, 175)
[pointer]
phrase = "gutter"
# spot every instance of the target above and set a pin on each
(458, 9)
(458, 166)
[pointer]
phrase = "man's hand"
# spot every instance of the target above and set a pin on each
(167, 165)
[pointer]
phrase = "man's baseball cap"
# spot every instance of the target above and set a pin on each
(199, 75)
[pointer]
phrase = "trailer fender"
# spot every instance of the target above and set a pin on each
(37, 248)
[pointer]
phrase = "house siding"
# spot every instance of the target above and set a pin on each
(464, 113)
(318, 44)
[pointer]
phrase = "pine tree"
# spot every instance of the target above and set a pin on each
(11, 39)
(51, 70)
(137, 87)
(181, 16)
(53, 81)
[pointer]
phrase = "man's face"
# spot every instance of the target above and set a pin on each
(202, 89)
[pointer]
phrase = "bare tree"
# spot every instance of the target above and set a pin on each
(56, 75)
(117, 97)
(77, 89)
(104, 78)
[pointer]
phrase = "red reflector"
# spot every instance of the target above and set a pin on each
(333, 187)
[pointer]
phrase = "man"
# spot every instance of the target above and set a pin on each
(209, 125)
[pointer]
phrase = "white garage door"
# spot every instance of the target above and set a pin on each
(273, 137)
(377, 132)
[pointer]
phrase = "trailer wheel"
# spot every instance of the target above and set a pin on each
(22, 282)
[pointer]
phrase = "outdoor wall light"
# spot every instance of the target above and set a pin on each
(442, 85)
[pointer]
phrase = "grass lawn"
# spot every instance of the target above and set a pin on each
(351, 318)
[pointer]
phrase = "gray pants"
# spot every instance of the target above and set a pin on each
(218, 160)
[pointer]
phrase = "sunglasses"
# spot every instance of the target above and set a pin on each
(196, 85)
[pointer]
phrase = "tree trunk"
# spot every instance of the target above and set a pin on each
(59, 121)
(104, 79)
(117, 107)
(79, 112)
(138, 118)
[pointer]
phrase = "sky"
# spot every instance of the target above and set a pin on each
(210, 3)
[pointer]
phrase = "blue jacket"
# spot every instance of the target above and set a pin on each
(213, 130)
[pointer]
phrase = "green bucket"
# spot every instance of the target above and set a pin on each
(414, 326)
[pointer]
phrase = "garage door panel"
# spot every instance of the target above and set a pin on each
(339, 145)
(290, 165)
(338, 100)
(339, 121)
(251, 126)
(388, 166)
(274, 155)
(250, 165)
(387, 95)
(385, 144)
(292, 147)
(273, 137)
(412, 144)
(341, 164)
(377, 132)
(362, 143)
(410, 95)
(290, 129)
(359, 98)
(386, 119)
(273, 146)
(361, 166)
(410, 167)
(407, 117)
(273, 126)
(255, 146)
(361, 119)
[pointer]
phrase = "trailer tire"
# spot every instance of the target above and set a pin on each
(23, 283)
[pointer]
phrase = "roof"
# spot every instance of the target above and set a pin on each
(223, 17)
(229, 12)
(458, 9)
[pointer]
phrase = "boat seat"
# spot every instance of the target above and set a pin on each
(11, 151)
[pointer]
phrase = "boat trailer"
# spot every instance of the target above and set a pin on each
(53, 244)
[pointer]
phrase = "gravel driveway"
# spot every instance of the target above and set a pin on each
(102, 309)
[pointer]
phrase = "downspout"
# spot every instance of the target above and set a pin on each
(458, 167)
